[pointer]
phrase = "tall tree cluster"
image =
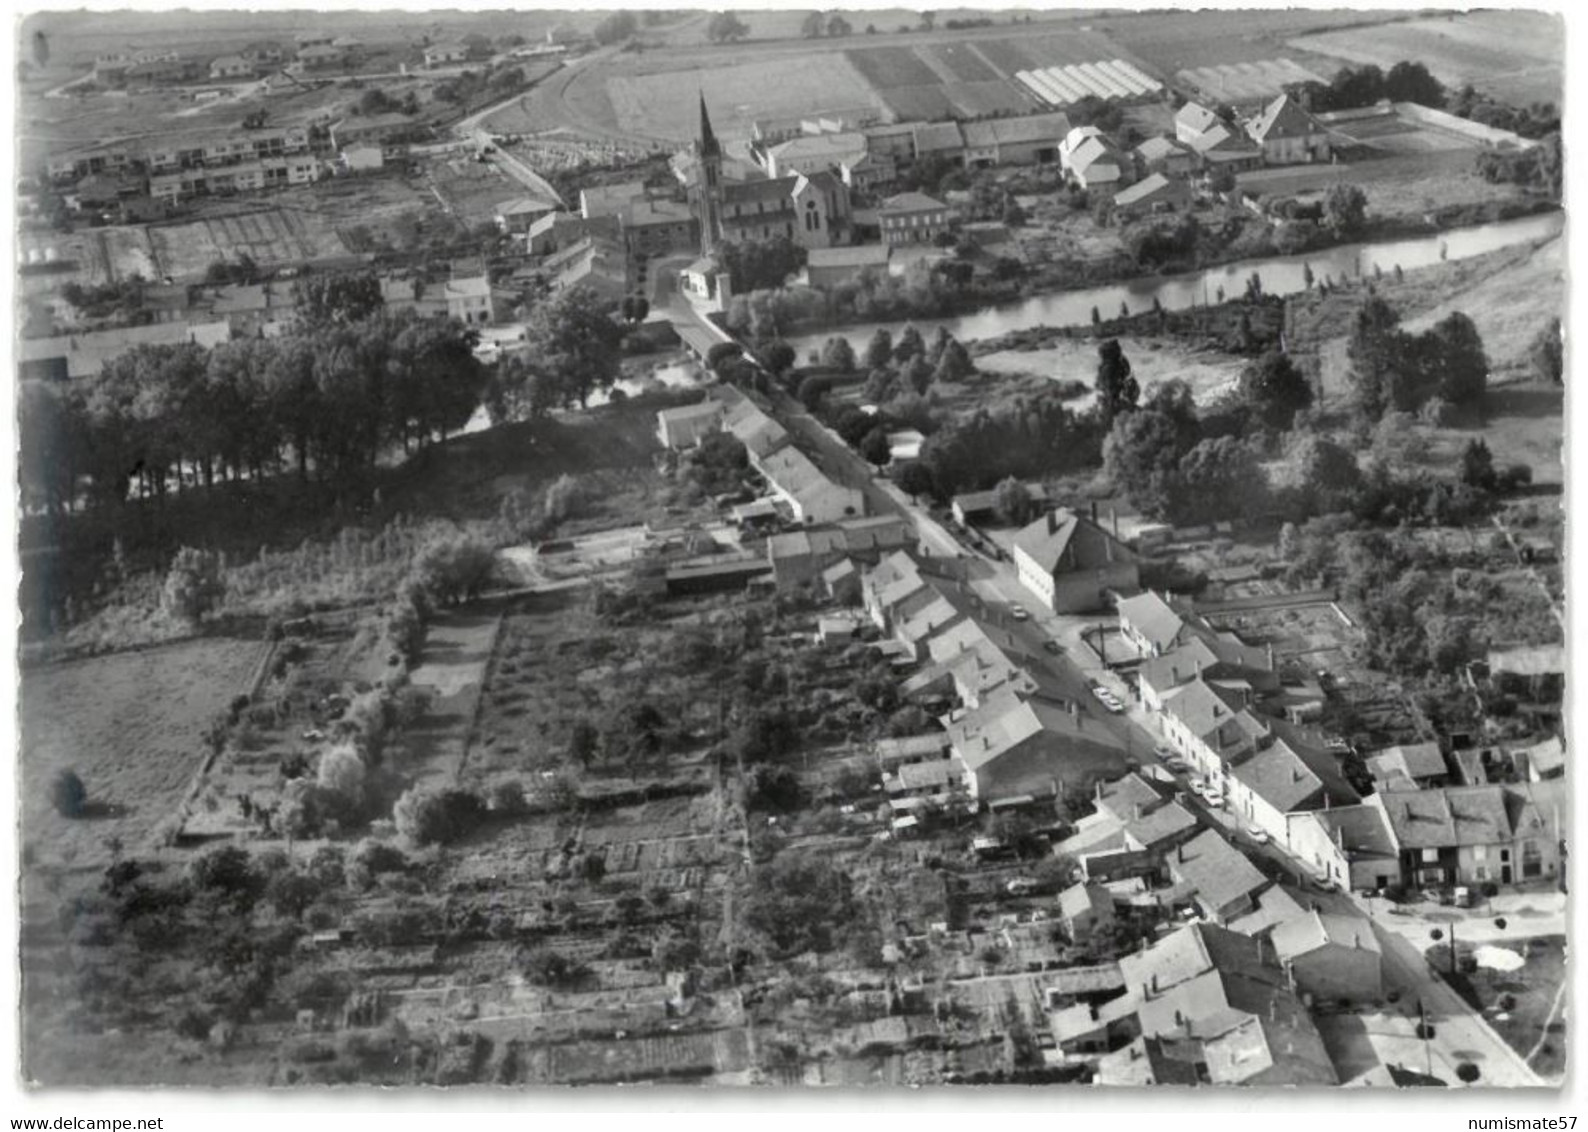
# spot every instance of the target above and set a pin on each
(1392, 369)
(348, 383)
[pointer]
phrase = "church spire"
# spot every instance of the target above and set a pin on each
(708, 139)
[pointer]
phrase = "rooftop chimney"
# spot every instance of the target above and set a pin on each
(1094, 512)
(1053, 521)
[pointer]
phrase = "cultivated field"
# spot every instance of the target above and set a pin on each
(131, 725)
(1515, 55)
(1240, 82)
(472, 191)
(666, 105)
(1173, 41)
(269, 236)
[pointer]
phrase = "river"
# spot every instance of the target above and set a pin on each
(1280, 275)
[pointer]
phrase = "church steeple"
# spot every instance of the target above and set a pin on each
(708, 183)
(708, 140)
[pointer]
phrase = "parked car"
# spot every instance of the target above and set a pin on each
(1199, 788)
(1021, 886)
(1257, 834)
(1019, 614)
(1053, 647)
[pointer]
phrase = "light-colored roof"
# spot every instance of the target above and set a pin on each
(1304, 934)
(519, 206)
(1218, 871)
(1154, 185)
(1362, 830)
(1214, 715)
(1080, 899)
(471, 287)
(1153, 617)
(1541, 660)
(1271, 906)
(830, 147)
(1195, 116)
(977, 502)
(1412, 761)
(1159, 826)
(1184, 954)
(1121, 797)
(703, 410)
(1453, 816)
(1154, 149)
(1005, 721)
(1282, 778)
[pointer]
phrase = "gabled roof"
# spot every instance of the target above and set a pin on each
(1151, 616)
(1154, 185)
(1153, 1061)
(1155, 149)
(759, 433)
(608, 200)
(1183, 955)
(701, 411)
(1062, 542)
(1214, 715)
(1283, 118)
(1307, 933)
(1159, 826)
(1005, 721)
(1121, 797)
(1361, 831)
(833, 148)
(1412, 761)
(1079, 899)
(1095, 155)
(1284, 777)
(474, 287)
(1196, 117)
(520, 206)
(1218, 871)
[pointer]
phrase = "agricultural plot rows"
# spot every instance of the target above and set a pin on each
(1243, 82)
(270, 237)
(1106, 79)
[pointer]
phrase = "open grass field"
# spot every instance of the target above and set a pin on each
(1518, 56)
(130, 724)
(1240, 82)
(1207, 372)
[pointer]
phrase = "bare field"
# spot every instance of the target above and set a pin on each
(1516, 55)
(130, 724)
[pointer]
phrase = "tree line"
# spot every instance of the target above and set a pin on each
(347, 383)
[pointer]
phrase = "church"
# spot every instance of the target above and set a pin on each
(812, 210)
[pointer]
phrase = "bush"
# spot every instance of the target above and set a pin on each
(1468, 1072)
(428, 817)
(194, 585)
(68, 795)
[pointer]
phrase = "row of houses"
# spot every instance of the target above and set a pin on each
(1225, 707)
(209, 316)
(310, 52)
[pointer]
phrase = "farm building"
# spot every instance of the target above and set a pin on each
(1192, 121)
(1154, 193)
(827, 267)
(1030, 140)
(1073, 564)
(1288, 134)
(1416, 766)
(913, 218)
(809, 494)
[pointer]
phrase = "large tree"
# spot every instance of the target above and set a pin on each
(1345, 208)
(1377, 350)
(1275, 389)
(725, 27)
(1117, 389)
(1456, 364)
(577, 341)
(1142, 457)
